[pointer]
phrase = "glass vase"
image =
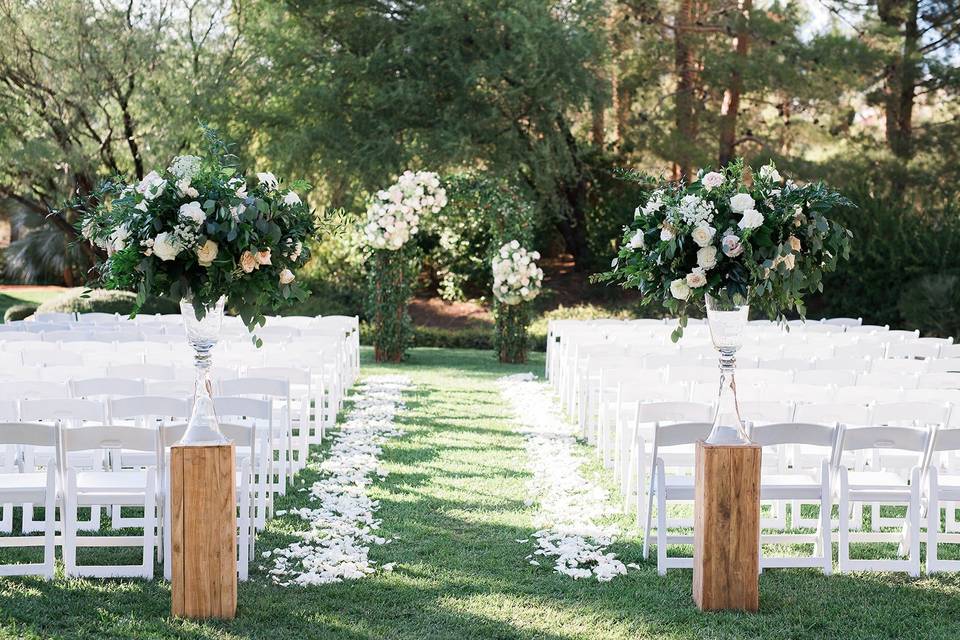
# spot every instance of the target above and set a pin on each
(727, 319)
(203, 331)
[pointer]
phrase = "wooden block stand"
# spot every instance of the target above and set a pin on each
(203, 532)
(726, 533)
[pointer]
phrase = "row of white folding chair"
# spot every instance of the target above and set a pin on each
(129, 478)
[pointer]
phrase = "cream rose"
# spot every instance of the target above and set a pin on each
(790, 261)
(636, 242)
(666, 232)
(679, 289)
(751, 219)
(263, 257)
(696, 278)
(707, 257)
(794, 243)
(703, 234)
(741, 202)
(286, 276)
(207, 253)
(248, 262)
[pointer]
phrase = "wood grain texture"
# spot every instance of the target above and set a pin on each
(726, 549)
(203, 531)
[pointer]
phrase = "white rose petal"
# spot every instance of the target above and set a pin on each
(741, 202)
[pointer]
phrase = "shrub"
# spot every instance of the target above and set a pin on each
(19, 311)
(83, 300)
(932, 304)
(471, 338)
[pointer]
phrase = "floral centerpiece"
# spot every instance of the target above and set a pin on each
(393, 219)
(516, 281)
(201, 232)
(732, 239)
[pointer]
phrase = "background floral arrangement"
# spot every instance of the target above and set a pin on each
(201, 230)
(734, 234)
(393, 216)
(516, 277)
(393, 219)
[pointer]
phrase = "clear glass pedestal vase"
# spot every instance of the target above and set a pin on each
(203, 331)
(727, 319)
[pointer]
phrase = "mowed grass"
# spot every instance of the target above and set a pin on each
(455, 499)
(10, 296)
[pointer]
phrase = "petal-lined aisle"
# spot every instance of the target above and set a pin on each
(570, 507)
(336, 547)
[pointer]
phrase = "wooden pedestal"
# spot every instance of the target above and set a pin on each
(203, 532)
(726, 547)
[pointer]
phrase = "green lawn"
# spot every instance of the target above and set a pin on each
(19, 295)
(455, 499)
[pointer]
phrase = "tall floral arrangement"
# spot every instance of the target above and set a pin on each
(734, 233)
(200, 230)
(393, 220)
(516, 281)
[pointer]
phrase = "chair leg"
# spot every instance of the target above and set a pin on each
(70, 525)
(149, 523)
(826, 546)
(661, 533)
(50, 522)
(914, 524)
(843, 551)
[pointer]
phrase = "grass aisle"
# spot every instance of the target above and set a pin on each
(455, 499)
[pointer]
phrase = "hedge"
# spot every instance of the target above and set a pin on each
(83, 300)
(19, 311)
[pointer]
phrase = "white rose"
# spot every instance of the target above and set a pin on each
(769, 172)
(712, 180)
(192, 211)
(696, 278)
(268, 180)
(286, 276)
(636, 242)
(741, 202)
(151, 186)
(679, 289)
(207, 253)
(166, 247)
(291, 199)
(141, 206)
(731, 246)
(751, 219)
(120, 237)
(703, 234)
(707, 257)
(666, 233)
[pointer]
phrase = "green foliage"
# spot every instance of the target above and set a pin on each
(511, 339)
(82, 300)
(391, 275)
(19, 311)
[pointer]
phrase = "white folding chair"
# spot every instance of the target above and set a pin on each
(32, 487)
(124, 487)
(942, 490)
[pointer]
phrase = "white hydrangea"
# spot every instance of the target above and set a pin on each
(151, 186)
(185, 168)
(393, 217)
(516, 276)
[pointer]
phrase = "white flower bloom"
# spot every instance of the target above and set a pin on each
(193, 212)
(286, 276)
(679, 289)
(741, 202)
(166, 247)
(268, 180)
(119, 238)
(696, 278)
(291, 199)
(707, 257)
(769, 172)
(703, 234)
(751, 219)
(666, 233)
(712, 180)
(516, 277)
(636, 242)
(185, 168)
(185, 190)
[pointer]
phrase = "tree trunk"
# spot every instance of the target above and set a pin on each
(572, 192)
(686, 108)
(731, 97)
(901, 75)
